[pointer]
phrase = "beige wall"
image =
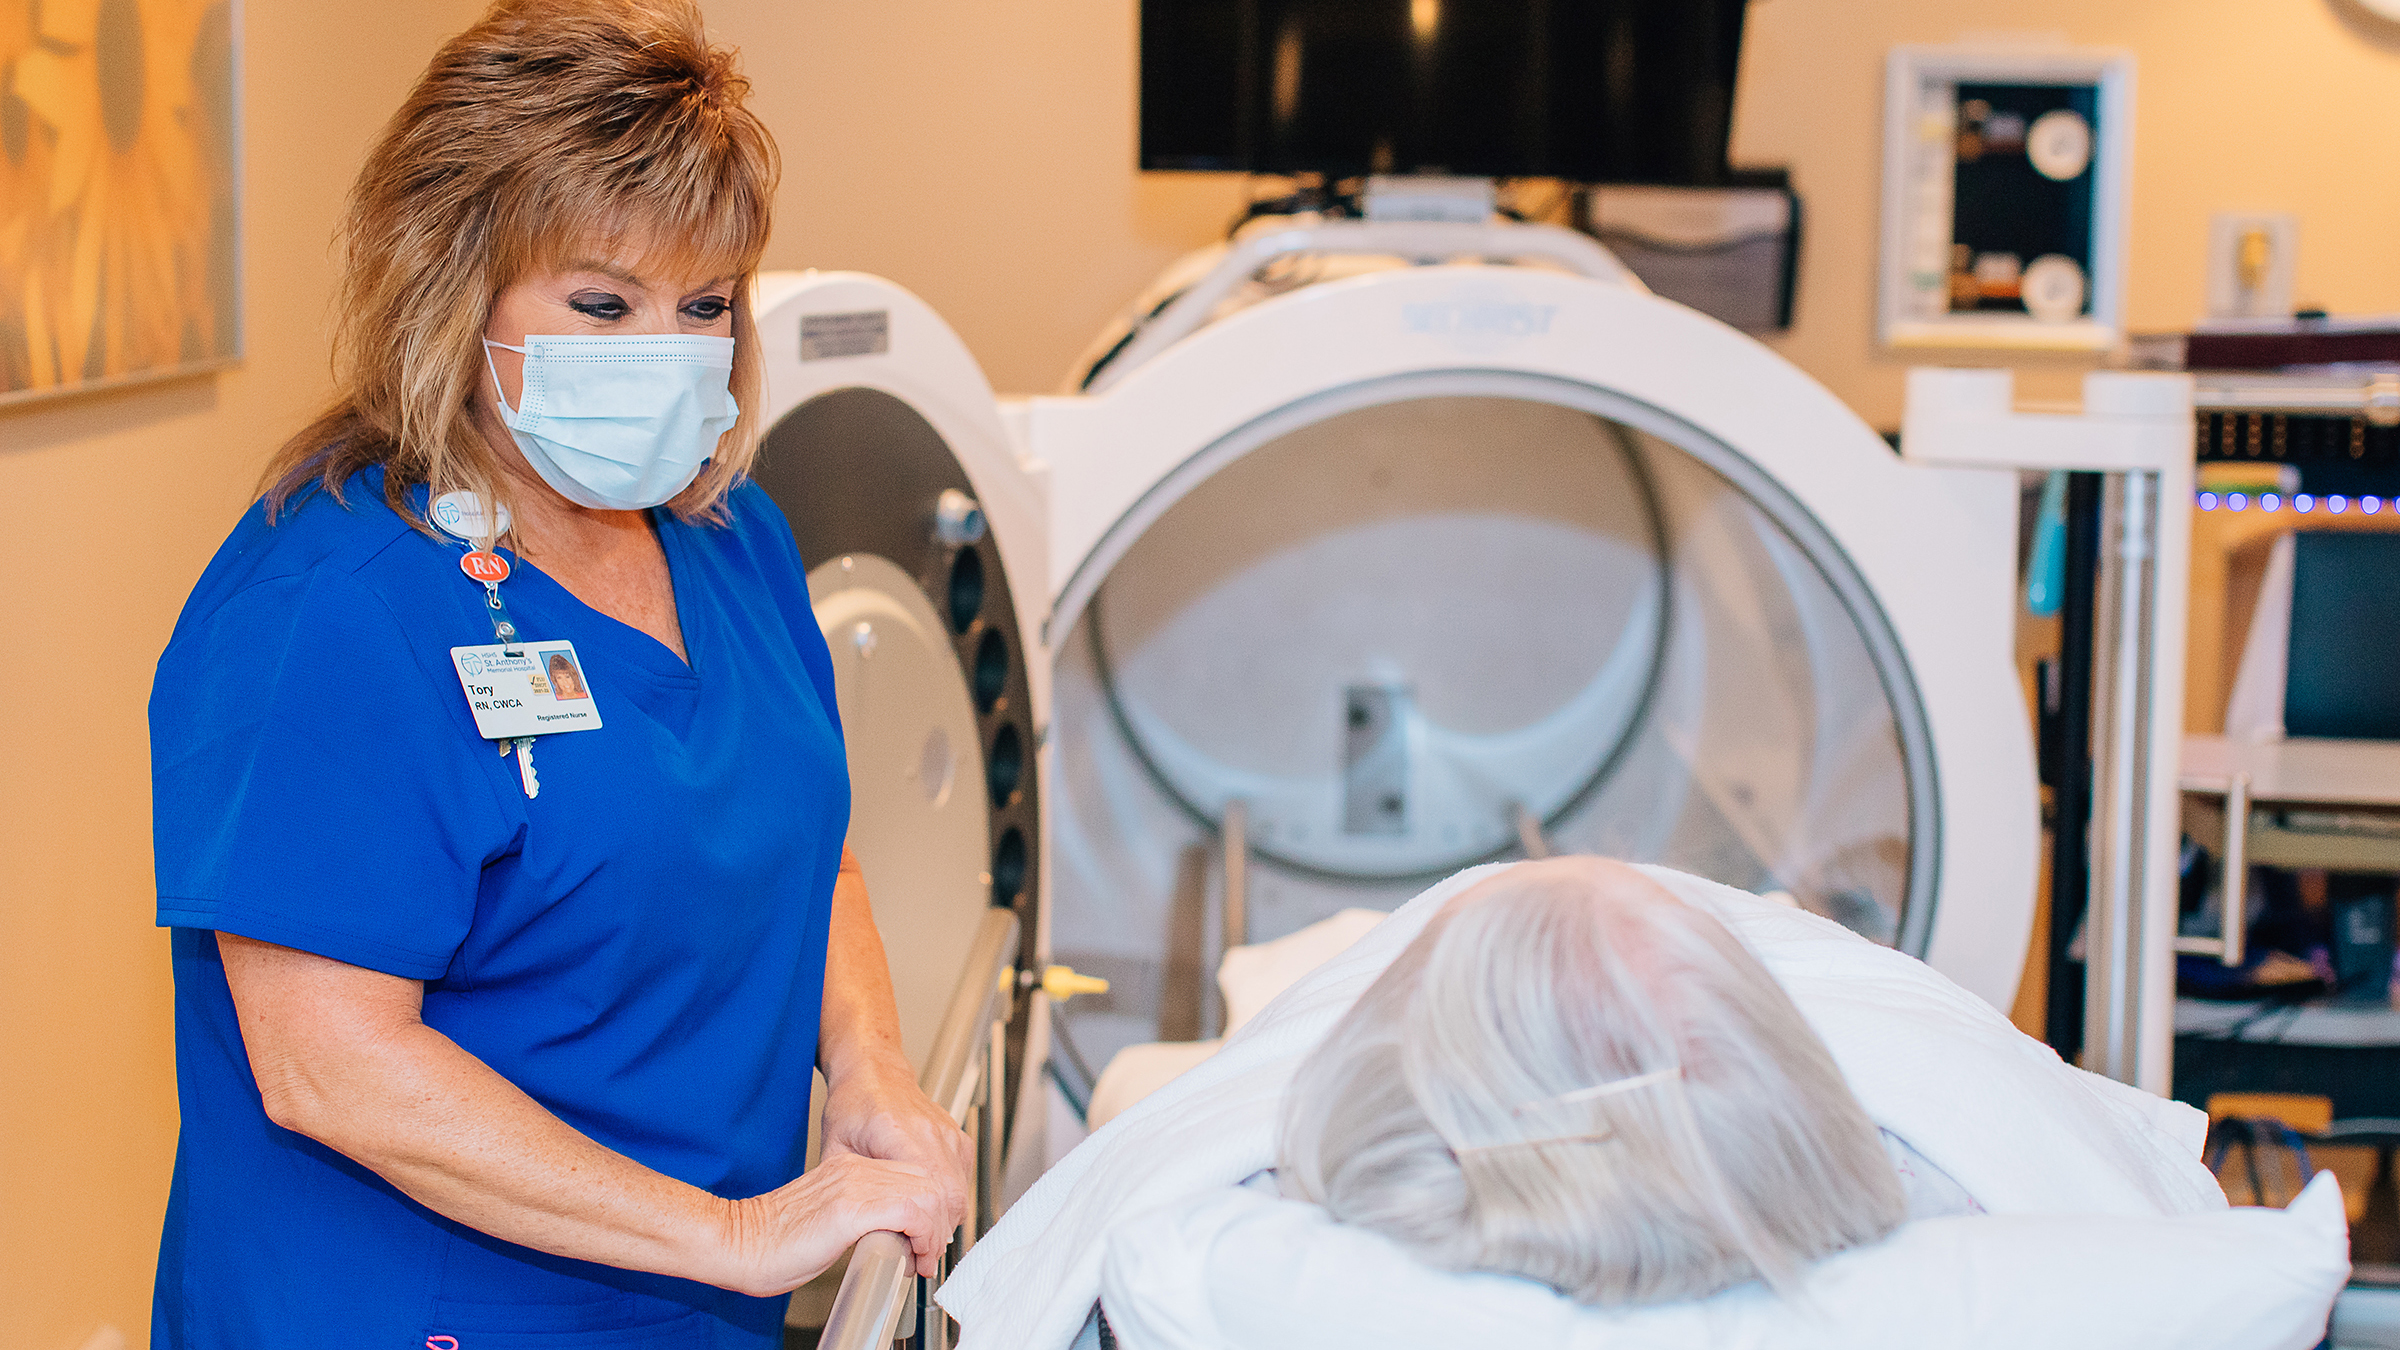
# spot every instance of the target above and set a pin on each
(121, 498)
(981, 154)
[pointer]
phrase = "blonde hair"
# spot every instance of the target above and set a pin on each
(550, 128)
(1573, 1077)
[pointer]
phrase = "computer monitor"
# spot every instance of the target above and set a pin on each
(1589, 90)
(2342, 678)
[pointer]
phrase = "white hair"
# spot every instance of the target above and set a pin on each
(1573, 1077)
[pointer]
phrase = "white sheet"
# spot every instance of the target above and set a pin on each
(1991, 1107)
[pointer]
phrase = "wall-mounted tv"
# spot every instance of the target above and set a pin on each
(1627, 91)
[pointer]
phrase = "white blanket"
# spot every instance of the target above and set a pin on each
(2022, 1132)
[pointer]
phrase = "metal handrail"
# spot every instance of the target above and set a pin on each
(880, 1286)
(874, 1294)
(961, 1034)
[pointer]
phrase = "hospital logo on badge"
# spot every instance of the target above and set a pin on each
(471, 663)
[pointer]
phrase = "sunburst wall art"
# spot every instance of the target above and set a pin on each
(119, 192)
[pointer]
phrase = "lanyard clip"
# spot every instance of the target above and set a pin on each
(503, 627)
(491, 569)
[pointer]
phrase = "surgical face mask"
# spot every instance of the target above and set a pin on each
(620, 423)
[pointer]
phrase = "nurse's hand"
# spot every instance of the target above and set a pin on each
(781, 1240)
(877, 1111)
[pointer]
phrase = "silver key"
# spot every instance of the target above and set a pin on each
(532, 780)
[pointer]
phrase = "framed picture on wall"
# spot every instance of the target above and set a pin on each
(119, 193)
(2005, 173)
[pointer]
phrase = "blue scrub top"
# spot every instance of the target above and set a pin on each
(641, 948)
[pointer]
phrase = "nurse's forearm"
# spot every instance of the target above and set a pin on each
(341, 1055)
(859, 1026)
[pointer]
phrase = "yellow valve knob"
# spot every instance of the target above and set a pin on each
(1061, 984)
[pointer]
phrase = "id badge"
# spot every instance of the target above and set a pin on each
(526, 689)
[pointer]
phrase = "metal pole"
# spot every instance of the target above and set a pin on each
(2114, 955)
(1529, 831)
(1233, 914)
(1237, 875)
(1182, 999)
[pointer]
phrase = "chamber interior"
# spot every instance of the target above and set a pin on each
(1392, 631)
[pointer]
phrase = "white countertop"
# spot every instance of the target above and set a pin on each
(2353, 773)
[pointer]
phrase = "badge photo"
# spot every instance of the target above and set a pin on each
(561, 676)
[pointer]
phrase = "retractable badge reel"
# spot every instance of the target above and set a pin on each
(515, 688)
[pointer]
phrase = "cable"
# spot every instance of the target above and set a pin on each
(1081, 1106)
(1654, 516)
(1310, 192)
(1058, 1033)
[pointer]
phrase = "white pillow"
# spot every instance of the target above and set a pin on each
(1243, 1270)
(1249, 978)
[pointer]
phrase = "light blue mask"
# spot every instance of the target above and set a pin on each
(620, 423)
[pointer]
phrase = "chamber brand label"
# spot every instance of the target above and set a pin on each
(864, 332)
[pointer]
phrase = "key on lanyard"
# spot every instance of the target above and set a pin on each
(525, 773)
(491, 569)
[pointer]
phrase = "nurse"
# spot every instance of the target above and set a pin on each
(500, 799)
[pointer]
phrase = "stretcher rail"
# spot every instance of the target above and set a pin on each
(882, 1300)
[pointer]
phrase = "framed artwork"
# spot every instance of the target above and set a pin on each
(119, 193)
(2005, 174)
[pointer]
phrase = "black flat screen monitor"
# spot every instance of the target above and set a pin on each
(1626, 91)
(2340, 675)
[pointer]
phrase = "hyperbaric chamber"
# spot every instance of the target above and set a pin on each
(1421, 567)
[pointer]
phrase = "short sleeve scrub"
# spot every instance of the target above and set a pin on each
(640, 947)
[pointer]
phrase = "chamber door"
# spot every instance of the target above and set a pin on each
(919, 820)
(908, 584)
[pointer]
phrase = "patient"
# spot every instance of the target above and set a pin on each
(1573, 1077)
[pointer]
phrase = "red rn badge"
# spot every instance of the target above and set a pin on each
(489, 568)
